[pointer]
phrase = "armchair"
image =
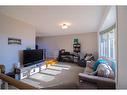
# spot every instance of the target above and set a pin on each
(65, 56)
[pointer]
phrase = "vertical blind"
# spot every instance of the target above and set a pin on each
(107, 42)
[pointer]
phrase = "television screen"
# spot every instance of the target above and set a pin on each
(38, 55)
(32, 57)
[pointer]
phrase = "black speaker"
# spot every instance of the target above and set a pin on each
(36, 46)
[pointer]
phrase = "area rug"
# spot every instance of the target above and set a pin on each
(32, 82)
(50, 72)
(42, 77)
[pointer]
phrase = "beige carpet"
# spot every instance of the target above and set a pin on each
(62, 65)
(54, 67)
(42, 77)
(67, 78)
(50, 72)
(32, 82)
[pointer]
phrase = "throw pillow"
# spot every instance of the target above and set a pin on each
(112, 64)
(88, 70)
(104, 70)
(89, 67)
(99, 61)
(87, 57)
(90, 64)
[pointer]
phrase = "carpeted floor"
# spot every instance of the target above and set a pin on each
(67, 79)
(64, 76)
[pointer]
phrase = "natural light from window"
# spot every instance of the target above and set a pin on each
(107, 43)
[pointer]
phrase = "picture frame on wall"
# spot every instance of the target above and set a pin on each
(14, 41)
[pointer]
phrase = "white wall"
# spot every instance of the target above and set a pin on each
(89, 43)
(9, 27)
(122, 47)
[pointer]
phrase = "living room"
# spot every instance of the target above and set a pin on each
(31, 27)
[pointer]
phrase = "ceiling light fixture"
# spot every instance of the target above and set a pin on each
(65, 25)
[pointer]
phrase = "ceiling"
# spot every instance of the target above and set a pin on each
(47, 19)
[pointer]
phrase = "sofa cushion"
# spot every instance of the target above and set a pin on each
(99, 61)
(110, 62)
(90, 64)
(104, 70)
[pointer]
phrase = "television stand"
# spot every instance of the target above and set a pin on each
(24, 72)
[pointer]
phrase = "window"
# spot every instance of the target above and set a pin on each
(107, 43)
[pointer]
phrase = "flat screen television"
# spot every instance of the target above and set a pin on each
(31, 57)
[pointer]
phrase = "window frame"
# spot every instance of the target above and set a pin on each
(105, 46)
